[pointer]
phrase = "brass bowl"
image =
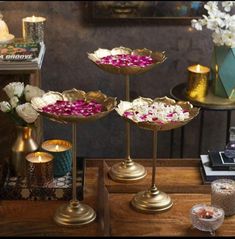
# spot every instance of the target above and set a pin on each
(51, 97)
(158, 58)
(193, 112)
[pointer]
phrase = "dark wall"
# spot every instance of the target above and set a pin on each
(68, 38)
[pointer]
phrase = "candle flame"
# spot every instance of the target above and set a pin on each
(198, 68)
(57, 147)
(40, 158)
(33, 18)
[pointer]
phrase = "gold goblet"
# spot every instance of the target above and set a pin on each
(127, 170)
(74, 213)
(153, 200)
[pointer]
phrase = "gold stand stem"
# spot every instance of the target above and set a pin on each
(152, 200)
(153, 187)
(74, 155)
(127, 170)
(74, 213)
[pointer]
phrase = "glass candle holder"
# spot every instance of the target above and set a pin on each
(39, 169)
(33, 29)
(198, 76)
(223, 195)
(62, 153)
(206, 218)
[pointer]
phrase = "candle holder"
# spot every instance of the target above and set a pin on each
(74, 213)
(127, 170)
(40, 169)
(206, 218)
(223, 195)
(198, 81)
(33, 29)
(153, 200)
(62, 152)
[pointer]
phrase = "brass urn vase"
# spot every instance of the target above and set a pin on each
(23, 145)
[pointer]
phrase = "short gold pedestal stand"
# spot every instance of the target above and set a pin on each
(152, 200)
(127, 170)
(74, 213)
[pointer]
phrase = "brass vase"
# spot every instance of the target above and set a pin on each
(23, 145)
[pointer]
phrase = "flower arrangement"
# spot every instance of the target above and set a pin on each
(219, 21)
(19, 108)
(146, 110)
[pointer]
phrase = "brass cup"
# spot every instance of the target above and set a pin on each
(198, 81)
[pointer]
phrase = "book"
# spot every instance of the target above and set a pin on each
(21, 56)
(208, 174)
(219, 161)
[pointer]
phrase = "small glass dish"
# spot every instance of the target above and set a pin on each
(206, 218)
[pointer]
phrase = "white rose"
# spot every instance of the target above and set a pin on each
(5, 106)
(100, 53)
(14, 89)
(27, 112)
(14, 101)
(32, 91)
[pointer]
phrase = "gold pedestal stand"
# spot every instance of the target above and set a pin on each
(152, 200)
(127, 170)
(74, 213)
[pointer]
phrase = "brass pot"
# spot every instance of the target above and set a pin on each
(23, 145)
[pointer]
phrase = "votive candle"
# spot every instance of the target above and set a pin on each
(33, 29)
(62, 153)
(39, 169)
(198, 77)
(223, 195)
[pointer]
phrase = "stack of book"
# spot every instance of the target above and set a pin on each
(20, 55)
(216, 165)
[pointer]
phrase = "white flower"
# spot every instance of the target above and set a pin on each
(221, 23)
(5, 106)
(227, 5)
(32, 91)
(27, 113)
(196, 24)
(100, 53)
(14, 89)
(14, 101)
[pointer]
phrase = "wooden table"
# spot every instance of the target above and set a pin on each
(180, 178)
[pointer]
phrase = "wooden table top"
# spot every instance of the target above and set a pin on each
(180, 178)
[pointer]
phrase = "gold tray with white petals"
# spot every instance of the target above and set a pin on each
(96, 56)
(185, 105)
(51, 97)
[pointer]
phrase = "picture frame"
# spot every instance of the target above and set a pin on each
(146, 10)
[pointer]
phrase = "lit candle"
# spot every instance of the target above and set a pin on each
(223, 195)
(197, 81)
(39, 169)
(62, 152)
(206, 218)
(33, 28)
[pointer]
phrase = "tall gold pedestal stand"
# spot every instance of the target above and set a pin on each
(127, 170)
(152, 200)
(74, 213)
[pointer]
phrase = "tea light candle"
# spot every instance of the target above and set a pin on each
(206, 218)
(39, 169)
(33, 28)
(223, 195)
(62, 153)
(197, 81)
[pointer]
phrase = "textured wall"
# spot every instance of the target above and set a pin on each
(68, 38)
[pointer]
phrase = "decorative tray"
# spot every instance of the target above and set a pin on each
(16, 188)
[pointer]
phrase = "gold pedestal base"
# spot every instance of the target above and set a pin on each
(127, 172)
(74, 214)
(151, 201)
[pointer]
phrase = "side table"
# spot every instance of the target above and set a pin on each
(210, 102)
